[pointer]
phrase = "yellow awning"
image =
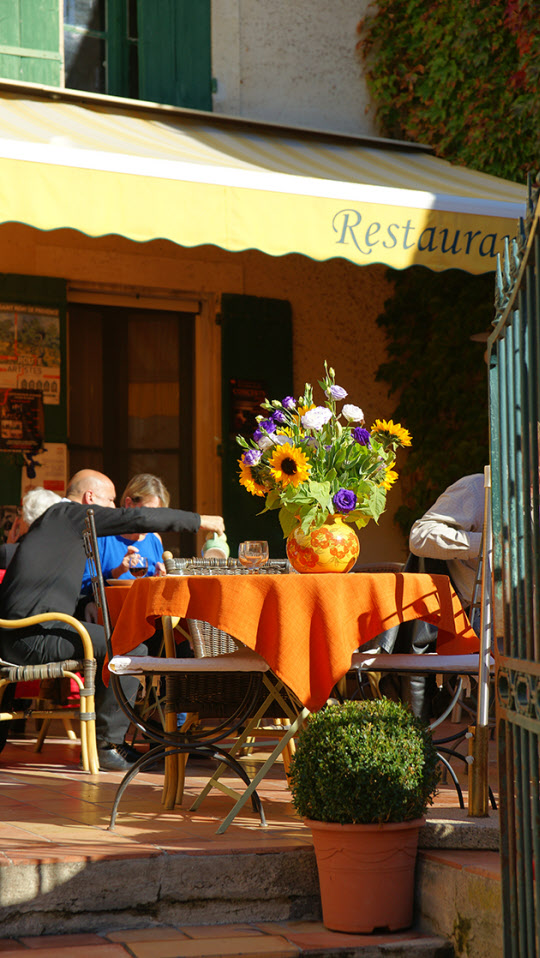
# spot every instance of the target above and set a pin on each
(78, 162)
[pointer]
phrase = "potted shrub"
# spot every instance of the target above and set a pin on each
(363, 776)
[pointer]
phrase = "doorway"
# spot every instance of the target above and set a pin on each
(131, 399)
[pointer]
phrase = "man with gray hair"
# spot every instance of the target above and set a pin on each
(45, 576)
(36, 501)
(34, 504)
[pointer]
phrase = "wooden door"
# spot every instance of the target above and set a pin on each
(131, 399)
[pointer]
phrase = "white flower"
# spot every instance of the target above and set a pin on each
(265, 442)
(352, 413)
(280, 440)
(316, 418)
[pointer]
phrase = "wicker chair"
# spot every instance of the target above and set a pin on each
(10, 674)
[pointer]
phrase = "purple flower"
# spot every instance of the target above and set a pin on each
(344, 500)
(265, 426)
(316, 418)
(279, 416)
(361, 436)
(337, 392)
(251, 457)
(289, 403)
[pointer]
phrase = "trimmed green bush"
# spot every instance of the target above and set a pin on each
(364, 763)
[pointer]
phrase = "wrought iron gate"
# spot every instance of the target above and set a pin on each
(514, 395)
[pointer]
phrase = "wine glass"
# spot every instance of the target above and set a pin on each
(138, 565)
(253, 553)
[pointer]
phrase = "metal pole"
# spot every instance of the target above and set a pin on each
(479, 738)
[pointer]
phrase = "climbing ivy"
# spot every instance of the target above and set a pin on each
(464, 78)
(439, 375)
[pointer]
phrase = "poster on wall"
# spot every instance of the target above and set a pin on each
(246, 398)
(21, 420)
(49, 468)
(30, 349)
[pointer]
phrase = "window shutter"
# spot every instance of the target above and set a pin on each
(256, 357)
(174, 52)
(30, 41)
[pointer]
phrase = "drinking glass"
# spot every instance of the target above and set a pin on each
(138, 565)
(253, 553)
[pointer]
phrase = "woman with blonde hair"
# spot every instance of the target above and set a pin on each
(115, 552)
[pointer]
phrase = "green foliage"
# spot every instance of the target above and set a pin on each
(464, 78)
(364, 762)
(440, 377)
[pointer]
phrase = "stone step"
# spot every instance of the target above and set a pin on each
(457, 895)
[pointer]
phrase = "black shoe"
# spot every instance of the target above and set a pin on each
(116, 758)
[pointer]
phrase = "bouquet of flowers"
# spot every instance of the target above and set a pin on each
(312, 462)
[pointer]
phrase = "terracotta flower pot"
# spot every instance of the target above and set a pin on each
(333, 547)
(366, 874)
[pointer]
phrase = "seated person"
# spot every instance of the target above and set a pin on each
(35, 502)
(115, 551)
(446, 540)
(45, 575)
(451, 530)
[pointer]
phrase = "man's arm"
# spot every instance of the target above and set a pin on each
(452, 528)
(112, 522)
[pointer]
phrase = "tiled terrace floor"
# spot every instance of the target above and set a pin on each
(51, 811)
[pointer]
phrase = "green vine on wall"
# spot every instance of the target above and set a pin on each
(439, 374)
(463, 77)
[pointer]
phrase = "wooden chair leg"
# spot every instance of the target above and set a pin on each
(171, 775)
(42, 734)
(70, 731)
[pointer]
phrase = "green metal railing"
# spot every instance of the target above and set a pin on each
(514, 396)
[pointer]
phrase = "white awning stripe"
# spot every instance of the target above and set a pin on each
(252, 179)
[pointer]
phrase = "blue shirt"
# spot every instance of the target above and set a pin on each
(112, 550)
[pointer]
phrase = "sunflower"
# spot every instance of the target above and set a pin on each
(248, 481)
(288, 464)
(393, 431)
(390, 477)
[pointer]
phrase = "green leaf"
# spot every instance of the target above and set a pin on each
(287, 521)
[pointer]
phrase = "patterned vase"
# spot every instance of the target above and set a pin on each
(334, 547)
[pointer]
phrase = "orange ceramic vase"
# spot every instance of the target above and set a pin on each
(334, 547)
(366, 874)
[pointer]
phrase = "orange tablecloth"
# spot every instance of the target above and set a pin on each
(305, 626)
(116, 596)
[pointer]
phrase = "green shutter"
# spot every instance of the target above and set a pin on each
(174, 52)
(30, 41)
(256, 350)
(117, 49)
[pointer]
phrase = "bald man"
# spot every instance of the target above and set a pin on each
(45, 576)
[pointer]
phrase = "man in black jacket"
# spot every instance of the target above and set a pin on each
(45, 576)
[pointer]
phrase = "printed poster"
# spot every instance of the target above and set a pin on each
(50, 467)
(246, 398)
(30, 349)
(21, 420)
